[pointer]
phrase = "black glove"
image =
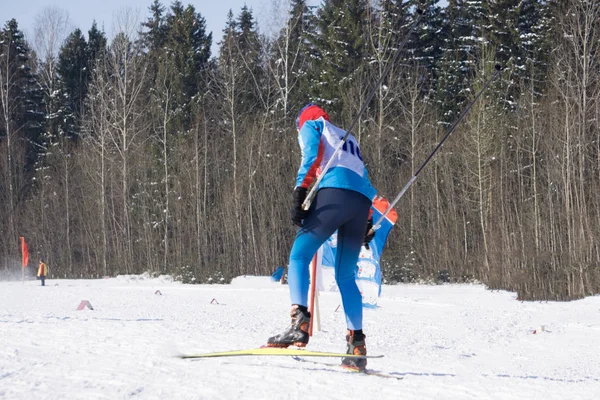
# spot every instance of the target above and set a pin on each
(368, 237)
(297, 213)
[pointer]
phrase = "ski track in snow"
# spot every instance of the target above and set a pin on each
(448, 342)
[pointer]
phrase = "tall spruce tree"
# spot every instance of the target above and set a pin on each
(189, 49)
(249, 49)
(155, 36)
(176, 48)
(423, 46)
(179, 39)
(227, 45)
(535, 37)
(22, 96)
(341, 49)
(426, 44)
(76, 62)
(290, 59)
(73, 68)
(96, 47)
(463, 35)
(392, 19)
(509, 22)
(240, 55)
(21, 129)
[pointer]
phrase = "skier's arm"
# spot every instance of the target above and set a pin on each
(309, 139)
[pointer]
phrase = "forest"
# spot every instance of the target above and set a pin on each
(140, 151)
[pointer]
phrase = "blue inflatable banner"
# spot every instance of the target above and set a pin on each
(277, 274)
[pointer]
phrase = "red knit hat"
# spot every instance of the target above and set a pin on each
(310, 112)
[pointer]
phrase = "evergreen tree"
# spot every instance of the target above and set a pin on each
(240, 55)
(96, 47)
(463, 34)
(189, 47)
(22, 97)
(535, 38)
(156, 35)
(396, 20)
(178, 39)
(388, 32)
(227, 46)
(341, 49)
(391, 27)
(229, 33)
(290, 58)
(76, 62)
(21, 129)
(73, 69)
(249, 49)
(426, 44)
(511, 29)
(394, 16)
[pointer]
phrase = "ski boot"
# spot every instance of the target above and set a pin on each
(356, 346)
(297, 333)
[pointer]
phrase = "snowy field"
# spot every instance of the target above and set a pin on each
(448, 342)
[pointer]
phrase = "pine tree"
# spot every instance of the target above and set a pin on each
(73, 69)
(397, 19)
(21, 128)
(189, 48)
(178, 42)
(388, 32)
(96, 47)
(240, 55)
(463, 35)
(509, 27)
(249, 49)
(22, 96)
(426, 44)
(535, 38)
(290, 60)
(228, 62)
(392, 21)
(340, 45)
(156, 35)
(394, 16)
(76, 62)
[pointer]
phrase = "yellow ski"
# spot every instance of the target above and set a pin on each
(273, 351)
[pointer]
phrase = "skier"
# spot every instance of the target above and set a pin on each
(342, 203)
(42, 272)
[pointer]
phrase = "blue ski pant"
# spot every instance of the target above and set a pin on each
(332, 209)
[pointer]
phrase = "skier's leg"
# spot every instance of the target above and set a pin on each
(327, 213)
(322, 220)
(350, 237)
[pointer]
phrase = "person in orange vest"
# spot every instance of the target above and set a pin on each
(42, 272)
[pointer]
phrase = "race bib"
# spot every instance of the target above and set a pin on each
(348, 156)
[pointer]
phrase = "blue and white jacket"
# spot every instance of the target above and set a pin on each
(318, 140)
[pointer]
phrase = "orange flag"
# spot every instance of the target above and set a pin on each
(24, 251)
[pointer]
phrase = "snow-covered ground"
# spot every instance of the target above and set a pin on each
(448, 342)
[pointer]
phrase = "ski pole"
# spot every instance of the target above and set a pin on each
(387, 69)
(313, 297)
(414, 177)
